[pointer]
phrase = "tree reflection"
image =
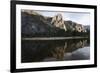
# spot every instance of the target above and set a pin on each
(37, 51)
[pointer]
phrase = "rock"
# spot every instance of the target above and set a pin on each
(34, 24)
(58, 21)
(73, 26)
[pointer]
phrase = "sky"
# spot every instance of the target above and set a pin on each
(79, 17)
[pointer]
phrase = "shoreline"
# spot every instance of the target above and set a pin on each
(54, 38)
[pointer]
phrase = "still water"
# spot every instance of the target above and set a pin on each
(58, 50)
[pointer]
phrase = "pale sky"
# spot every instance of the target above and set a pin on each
(79, 17)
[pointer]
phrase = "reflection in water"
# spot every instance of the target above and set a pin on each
(59, 50)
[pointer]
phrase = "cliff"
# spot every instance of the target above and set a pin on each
(34, 24)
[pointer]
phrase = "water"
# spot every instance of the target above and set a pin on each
(55, 50)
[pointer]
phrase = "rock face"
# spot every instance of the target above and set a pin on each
(80, 28)
(35, 24)
(58, 21)
(72, 26)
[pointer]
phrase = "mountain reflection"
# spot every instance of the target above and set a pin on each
(39, 51)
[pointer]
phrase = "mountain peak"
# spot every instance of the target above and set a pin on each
(58, 21)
